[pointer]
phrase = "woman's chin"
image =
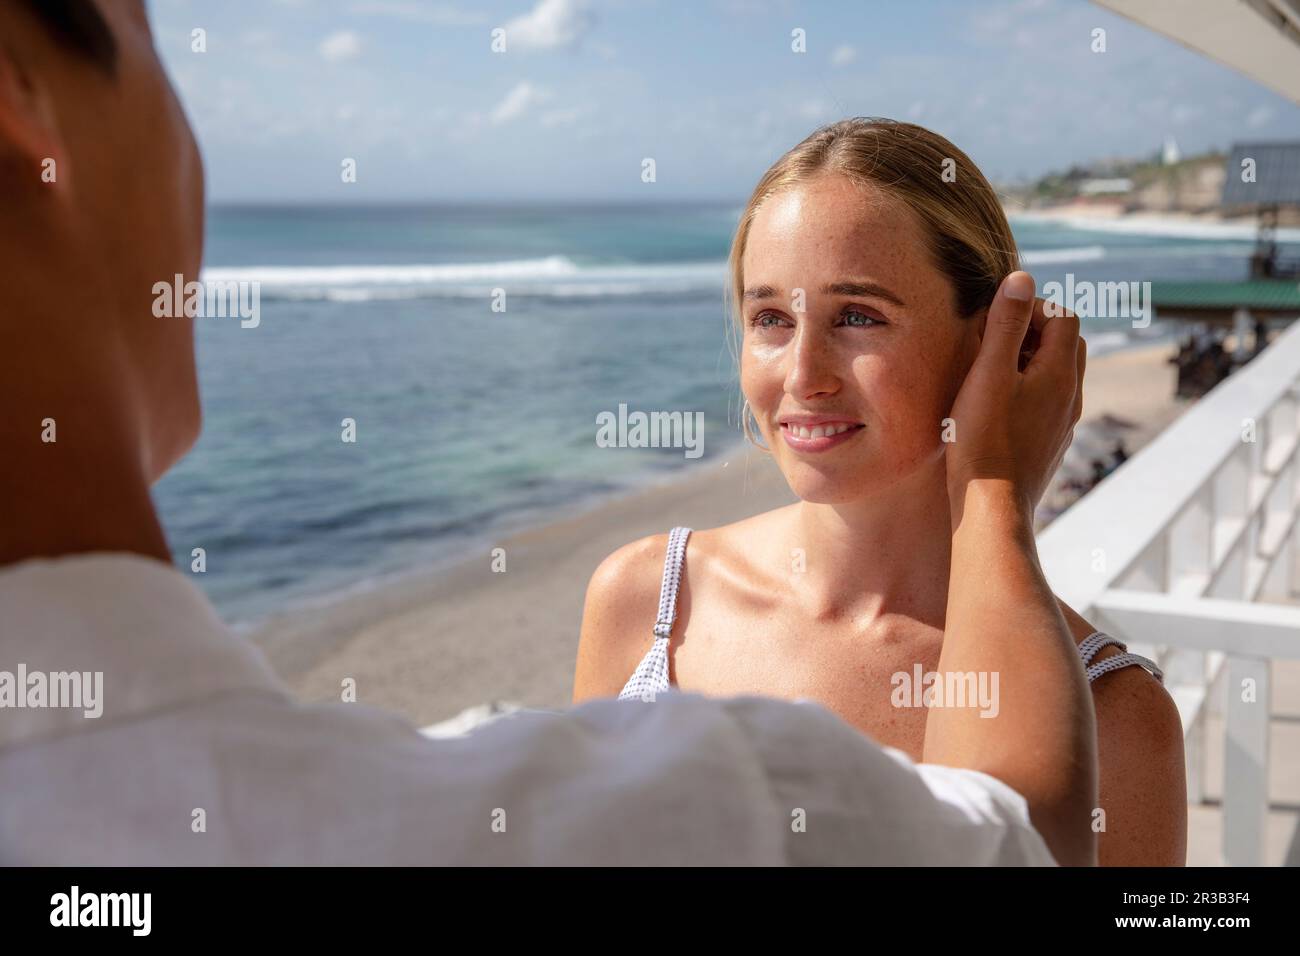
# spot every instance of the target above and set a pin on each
(823, 489)
(864, 477)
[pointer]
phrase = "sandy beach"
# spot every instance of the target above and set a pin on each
(435, 643)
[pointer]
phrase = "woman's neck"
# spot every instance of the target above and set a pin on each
(887, 554)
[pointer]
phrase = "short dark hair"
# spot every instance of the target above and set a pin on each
(79, 26)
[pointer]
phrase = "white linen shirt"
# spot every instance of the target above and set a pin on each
(201, 756)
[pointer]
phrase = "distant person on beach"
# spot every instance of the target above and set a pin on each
(1202, 363)
(158, 736)
(1185, 361)
(1260, 339)
(863, 284)
(1099, 471)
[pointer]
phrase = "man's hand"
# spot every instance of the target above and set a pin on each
(1013, 425)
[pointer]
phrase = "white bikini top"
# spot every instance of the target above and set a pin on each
(651, 675)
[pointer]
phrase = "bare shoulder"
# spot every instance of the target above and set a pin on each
(1140, 754)
(623, 597)
(1134, 689)
(735, 554)
(629, 579)
(618, 616)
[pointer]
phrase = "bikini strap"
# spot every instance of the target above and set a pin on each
(1095, 641)
(672, 581)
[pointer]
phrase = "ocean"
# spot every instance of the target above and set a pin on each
(471, 423)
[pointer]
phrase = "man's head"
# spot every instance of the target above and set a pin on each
(80, 26)
(103, 194)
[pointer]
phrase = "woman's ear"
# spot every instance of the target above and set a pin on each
(29, 130)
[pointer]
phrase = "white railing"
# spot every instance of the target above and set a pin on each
(1189, 553)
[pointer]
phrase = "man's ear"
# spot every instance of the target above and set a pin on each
(29, 130)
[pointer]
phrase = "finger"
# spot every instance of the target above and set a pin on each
(1045, 310)
(1007, 322)
(1058, 344)
(1081, 366)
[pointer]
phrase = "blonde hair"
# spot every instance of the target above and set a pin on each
(967, 233)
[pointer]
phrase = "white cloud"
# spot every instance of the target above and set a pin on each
(344, 45)
(551, 24)
(517, 102)
(843, 54)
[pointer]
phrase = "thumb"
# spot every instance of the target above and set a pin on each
(1007, 323)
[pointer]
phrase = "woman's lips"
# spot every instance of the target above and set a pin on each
(817, 439)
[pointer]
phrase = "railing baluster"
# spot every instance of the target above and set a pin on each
(1245, 762)
(1196, 527)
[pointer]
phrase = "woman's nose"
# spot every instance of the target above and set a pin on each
(812, 366)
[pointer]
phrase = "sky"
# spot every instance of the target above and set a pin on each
(711, 90)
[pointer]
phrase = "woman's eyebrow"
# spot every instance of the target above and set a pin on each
(872, 289)
(863, 289)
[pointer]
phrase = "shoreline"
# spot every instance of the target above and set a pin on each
(525, 520)
(524, 523)
(1208, 225)
(634, 484)
(436, 641)
(477, 634)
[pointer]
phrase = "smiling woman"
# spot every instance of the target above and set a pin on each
(861, 277)
(899, 276)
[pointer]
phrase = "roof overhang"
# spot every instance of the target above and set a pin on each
(1259, 38)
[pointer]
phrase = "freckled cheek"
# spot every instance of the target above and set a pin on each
(904, 401)
(762, 379)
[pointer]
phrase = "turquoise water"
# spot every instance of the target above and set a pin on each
(471, 422)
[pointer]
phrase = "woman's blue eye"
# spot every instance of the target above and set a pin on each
(870, 321)
(769, 320)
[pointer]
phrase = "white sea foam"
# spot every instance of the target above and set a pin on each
(556, 276)
(1099, 343)
(551, 276)
(1038, 257)
(1143, 225)
(413, 274)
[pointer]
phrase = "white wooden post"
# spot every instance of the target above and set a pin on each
(1245, 762)
(1179, 527)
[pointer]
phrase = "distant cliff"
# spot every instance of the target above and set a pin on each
(1191, 186)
